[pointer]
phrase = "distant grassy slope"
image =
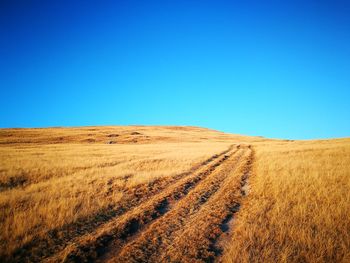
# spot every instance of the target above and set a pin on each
(116, 134)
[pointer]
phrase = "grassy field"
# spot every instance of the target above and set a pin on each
(171, 194)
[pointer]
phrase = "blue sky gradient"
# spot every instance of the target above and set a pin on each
(277, 69)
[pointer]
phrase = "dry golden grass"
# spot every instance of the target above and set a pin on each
(178, 194)
(298, 209)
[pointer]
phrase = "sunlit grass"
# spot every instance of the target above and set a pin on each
(299, 206)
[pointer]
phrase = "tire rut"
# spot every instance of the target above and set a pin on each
(199, 240)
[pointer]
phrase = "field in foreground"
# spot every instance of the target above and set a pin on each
(171, 194)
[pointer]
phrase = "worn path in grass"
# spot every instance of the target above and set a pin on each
(117, 234)
(189, 231)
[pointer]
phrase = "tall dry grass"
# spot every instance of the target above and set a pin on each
(298, 207)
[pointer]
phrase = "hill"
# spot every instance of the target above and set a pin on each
(171, 194)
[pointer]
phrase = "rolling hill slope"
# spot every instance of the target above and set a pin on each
(171, 194)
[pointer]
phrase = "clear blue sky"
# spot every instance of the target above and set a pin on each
(272, 68)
